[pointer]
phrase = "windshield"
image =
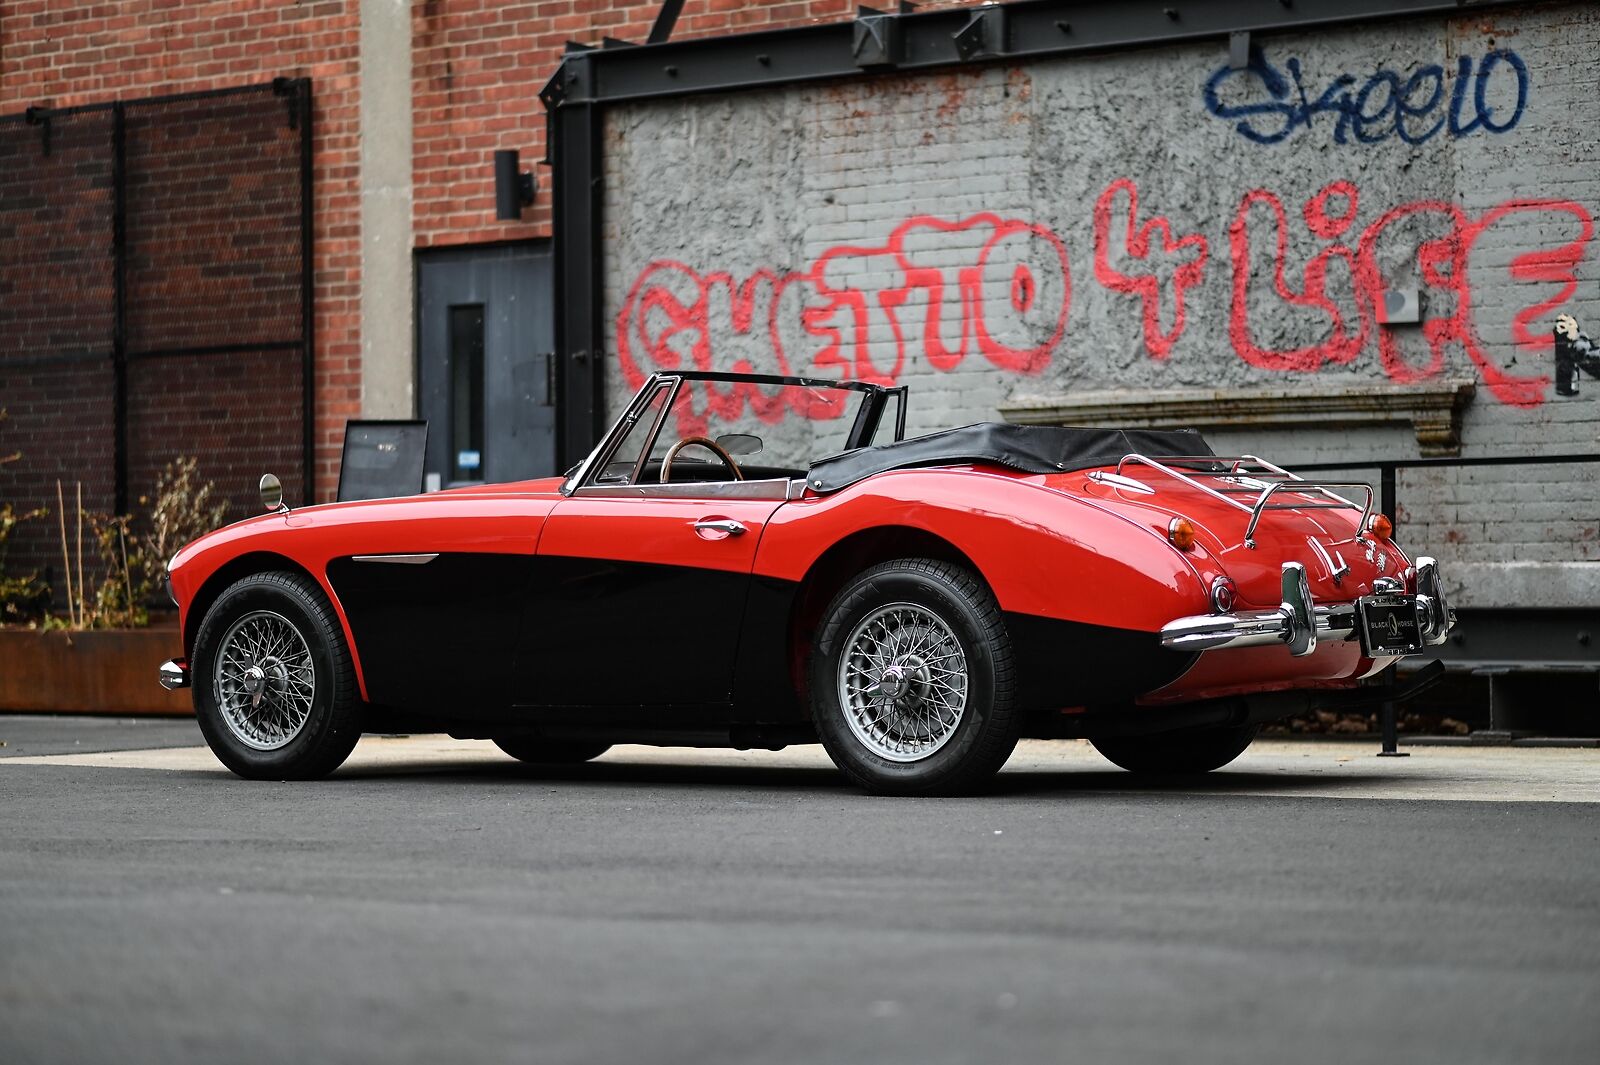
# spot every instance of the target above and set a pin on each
(762, 428)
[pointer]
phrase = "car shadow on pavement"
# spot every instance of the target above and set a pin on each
(1017, 782)
(1222, 781)
(657, 774)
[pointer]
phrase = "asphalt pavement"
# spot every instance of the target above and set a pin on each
(437, 902)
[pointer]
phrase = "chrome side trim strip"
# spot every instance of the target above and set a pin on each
(768, 488)
(399, 560)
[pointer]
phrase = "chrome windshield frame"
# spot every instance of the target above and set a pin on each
(582, 475)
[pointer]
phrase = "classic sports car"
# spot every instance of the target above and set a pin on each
(917, 605)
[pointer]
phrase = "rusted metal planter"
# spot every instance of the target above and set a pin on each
(108, 672)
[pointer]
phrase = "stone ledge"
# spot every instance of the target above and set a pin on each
(1433, 410)
(1532, 585)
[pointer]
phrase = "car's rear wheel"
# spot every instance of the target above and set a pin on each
(274, 688)
(1185, 751)
(913, 682)
(549, 752)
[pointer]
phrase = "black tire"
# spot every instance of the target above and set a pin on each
(986, 726)
(332, 717)
(549, 752)
(1184, 751)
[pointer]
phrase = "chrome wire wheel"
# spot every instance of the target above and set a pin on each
(903, 682)
(264, 679)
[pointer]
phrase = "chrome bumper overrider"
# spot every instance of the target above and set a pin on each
(175, 674)
(1299, 622)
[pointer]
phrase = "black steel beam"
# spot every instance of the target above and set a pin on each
(119, 301)
(1552, 638)
(576, 196)
(875, 42)
(666, 18)
(1026, 29)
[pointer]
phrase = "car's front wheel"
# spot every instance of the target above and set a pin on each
(913, 681)
(1197, 750)
(274, 688)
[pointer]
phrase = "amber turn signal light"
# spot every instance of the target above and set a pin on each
(1181, 534)
(1380, 527)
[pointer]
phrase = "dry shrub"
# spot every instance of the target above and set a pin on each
(22, 598)
(134, 548)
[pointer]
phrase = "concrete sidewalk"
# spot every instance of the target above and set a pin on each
(1298, 768)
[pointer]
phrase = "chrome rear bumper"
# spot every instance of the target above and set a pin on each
(175, 674)
(1299, 622)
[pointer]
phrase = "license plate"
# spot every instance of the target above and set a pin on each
(1389, 625)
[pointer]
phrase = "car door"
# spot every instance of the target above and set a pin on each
(639, 596)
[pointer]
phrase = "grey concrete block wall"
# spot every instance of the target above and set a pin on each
(940, 231)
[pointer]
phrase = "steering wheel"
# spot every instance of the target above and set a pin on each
(710, 445)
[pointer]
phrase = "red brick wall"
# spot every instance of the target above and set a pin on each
(477, 68)
(66, 52)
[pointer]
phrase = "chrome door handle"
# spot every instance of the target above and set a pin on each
(725, 526)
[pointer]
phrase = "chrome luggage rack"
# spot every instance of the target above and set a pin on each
(1246, 475)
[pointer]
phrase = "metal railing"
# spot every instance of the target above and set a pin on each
(1388, 502)
(1234, 467)
(1388, 496)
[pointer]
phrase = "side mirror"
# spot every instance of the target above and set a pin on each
(740, 443)
(271, 492)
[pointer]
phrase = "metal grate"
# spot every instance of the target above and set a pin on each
(154, 298)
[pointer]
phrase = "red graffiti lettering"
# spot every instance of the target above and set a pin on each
(936, 292)
(1446, 264)
(1147, 284)
(1342, 343)
(1005, 295)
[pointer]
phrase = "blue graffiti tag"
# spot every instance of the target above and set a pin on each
(1387, 104)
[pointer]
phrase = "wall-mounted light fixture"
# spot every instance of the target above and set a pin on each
(514, 189)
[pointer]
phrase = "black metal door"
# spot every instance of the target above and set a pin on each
(486, 342)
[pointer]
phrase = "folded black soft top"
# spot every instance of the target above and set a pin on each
(1030, 448)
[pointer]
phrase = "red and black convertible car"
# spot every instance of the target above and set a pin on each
(917, 605)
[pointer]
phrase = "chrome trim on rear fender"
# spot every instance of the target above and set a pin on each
(1117, 480)
(1298, 622)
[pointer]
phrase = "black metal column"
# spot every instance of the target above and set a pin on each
(119, 297)
(576, 196)
(1387, 712)
(308, 303)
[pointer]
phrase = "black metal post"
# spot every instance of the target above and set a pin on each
(119, 297)
(1387, 712)
(577, 197)
(1389, 726)
(308, 303)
